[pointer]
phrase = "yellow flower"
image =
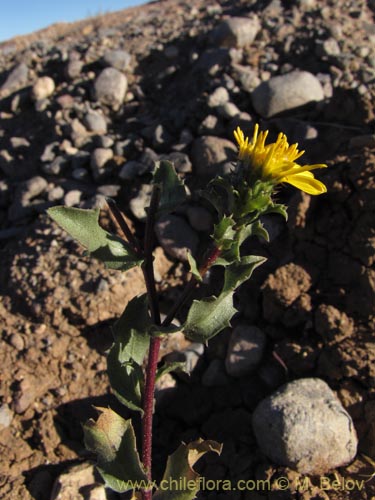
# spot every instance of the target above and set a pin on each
(275, 162)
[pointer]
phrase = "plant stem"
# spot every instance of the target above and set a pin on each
(209, 260)
(153, 354)
(120, 219)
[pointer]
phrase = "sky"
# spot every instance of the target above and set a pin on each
(20, 17)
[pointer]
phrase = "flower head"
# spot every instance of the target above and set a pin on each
(276, 162)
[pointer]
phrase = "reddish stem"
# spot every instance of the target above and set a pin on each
(148, 408)
(153, 356)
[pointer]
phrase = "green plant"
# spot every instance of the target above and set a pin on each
(237, 201)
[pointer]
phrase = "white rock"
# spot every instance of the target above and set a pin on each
(44, 87)
(219, 96)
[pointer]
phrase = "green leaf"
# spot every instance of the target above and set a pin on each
(83, 226)
(172, 188)
(112, 439)
(207, 317)
(132, 330)
(278, 208)
(194, 267)
(180, 481)
(239, 272)
(224, 233)
(175, 366)
(126, 378)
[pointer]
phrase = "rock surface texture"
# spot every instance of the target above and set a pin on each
(304, 426)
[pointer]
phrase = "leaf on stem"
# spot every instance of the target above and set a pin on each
(180, 481)
(194, 267)
(172, 188)
(131, 330)
(126, 379)
(232, 253)
(83, 226)
(113, 440)
(125, 358)
(207, 317)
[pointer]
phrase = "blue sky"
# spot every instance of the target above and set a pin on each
(20, 17)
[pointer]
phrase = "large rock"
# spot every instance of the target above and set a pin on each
(304, 426)
(119, 59)
(212, 156)
(236, 32)
(17, 79)
(285, 92)
(110, 88)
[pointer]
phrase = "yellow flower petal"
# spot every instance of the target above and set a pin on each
(305, 181)
(275, 162)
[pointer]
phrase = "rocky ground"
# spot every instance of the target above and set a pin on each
(85, 111)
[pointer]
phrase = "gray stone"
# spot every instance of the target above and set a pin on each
(17, 79)
(109, 190)
(6, 416)
(17, 341)
(95, 122)
(237, 31)
(245, 350)
(176, 236)
(48, 153)
(212, 156)
(132, 169)
(119, 59)
(72, 198)
(99, 159)
(200, 219)
(228, 110)
(189, 355)
(219, 96)
(56, 167)
(19, 142)
(210, 125)
(43, 88)
(139, 203)
(304, 426)
(181, 161)
(247, 76)
(328, 48)
(110, 88)
(56, 193)
(104, 141)
(285, 92)
(73, 69)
